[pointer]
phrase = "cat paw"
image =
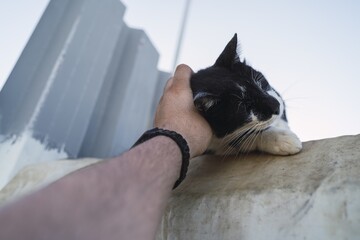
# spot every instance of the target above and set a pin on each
(281, 143)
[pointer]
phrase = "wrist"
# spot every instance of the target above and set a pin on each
(183, 132)
(178, 139)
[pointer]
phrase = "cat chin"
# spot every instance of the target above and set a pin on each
(244, 138)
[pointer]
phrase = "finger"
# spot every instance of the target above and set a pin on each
(182, 75)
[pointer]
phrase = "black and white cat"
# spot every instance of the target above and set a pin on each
(243, 110)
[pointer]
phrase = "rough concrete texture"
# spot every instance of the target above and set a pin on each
(312, 195)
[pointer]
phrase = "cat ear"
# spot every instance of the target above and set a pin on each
(229, 56)
(204, 101)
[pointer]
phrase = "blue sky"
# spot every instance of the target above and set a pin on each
(308, 50)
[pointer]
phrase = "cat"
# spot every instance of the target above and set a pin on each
(243, 110)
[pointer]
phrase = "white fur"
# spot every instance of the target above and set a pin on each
(277, 139)
(254, 118)
(278, 98)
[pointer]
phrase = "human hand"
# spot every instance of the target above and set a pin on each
(176, 112)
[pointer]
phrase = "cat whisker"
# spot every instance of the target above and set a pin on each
(243, 135)
(244, 143)
(258, 133)
(235, 142)
(252, 138)
(240, 137)
(231, 146)
(247, 144)
(232, 136)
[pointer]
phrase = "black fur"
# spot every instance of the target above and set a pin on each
(219, 98)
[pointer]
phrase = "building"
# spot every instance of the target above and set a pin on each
(86, 85)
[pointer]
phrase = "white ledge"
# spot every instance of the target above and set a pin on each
(312, 195)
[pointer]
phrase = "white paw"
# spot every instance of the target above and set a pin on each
(280, 143)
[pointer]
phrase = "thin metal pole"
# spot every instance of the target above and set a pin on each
(181, 35)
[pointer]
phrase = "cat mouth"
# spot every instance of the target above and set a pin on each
(267, 123)
(251, 132)
(253, 128)
(261, 124)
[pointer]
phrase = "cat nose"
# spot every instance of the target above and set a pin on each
(274, 106)
(276, 110)
(267, 107)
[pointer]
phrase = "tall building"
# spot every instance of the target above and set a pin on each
(85, 85)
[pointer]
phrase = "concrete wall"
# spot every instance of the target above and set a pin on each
(312, 195)
(85, 85)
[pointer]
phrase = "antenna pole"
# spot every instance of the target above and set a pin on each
(181, 35)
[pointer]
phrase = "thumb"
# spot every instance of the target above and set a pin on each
(182, 75)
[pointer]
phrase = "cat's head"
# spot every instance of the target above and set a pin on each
(231, 95)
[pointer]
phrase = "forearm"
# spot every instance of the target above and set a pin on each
(120, 198)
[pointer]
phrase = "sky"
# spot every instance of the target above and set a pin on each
(309, 51)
